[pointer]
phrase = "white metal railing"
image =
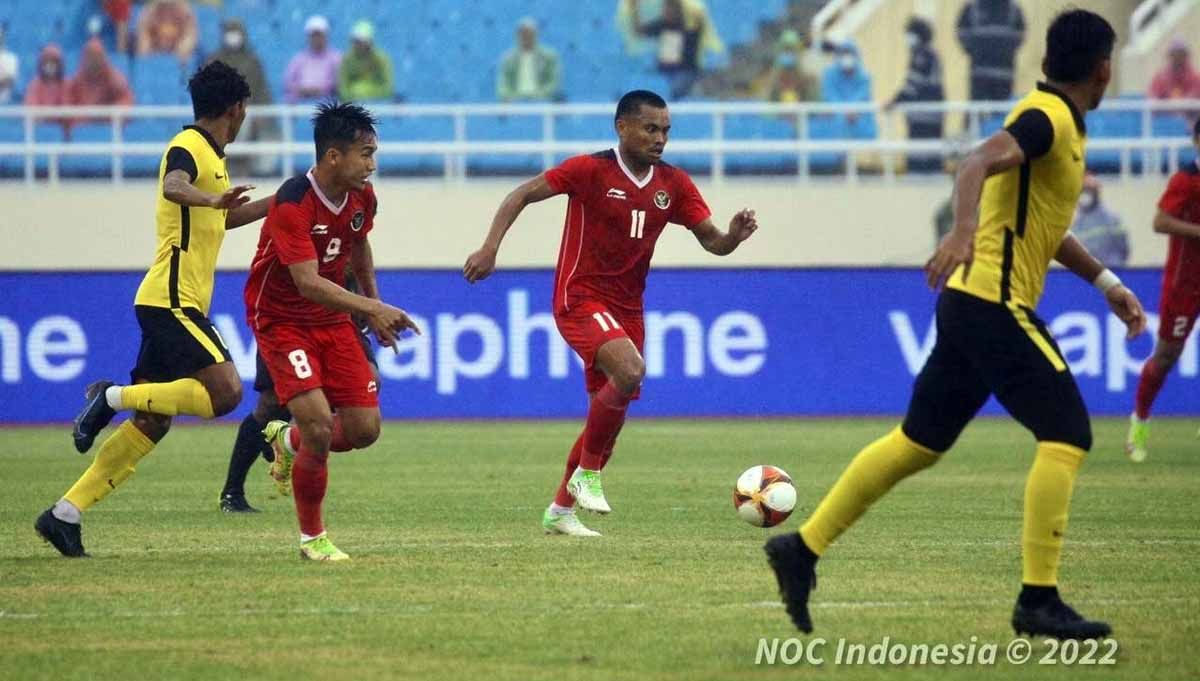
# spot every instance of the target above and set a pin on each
(886, 149)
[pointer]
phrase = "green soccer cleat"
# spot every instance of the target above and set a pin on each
(281, 468)
(567, 523)
(588, 492)
(321, 549)
(1135, 442)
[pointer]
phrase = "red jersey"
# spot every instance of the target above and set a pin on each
(613, 221)
(302, 224)
(1182, 201)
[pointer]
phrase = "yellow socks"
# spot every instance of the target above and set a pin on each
(1047, 498)
(114, 463)
(872, 473)
(185, 396)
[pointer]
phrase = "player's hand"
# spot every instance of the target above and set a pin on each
(480, 264)
(233, 197)
(956, 248)
(742, 225)
(1128, 309)
(389, 323)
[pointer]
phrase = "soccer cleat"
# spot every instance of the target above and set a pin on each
(321, 549)
(95, 415)
(588, 492)
(567, 523)
(64, 536)
(235, 503)
(796, 573)
(1135, 442)
(281, 468)
(1056, 620)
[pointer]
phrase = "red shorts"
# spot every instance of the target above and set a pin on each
(1178, 308)
(303, 358)
(589, 325)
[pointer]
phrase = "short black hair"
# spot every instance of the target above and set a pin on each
(632, 101)
(340, 124)
(1076, 43)
(215, 87)
(920, 28)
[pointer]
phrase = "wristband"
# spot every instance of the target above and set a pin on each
(1106, 280)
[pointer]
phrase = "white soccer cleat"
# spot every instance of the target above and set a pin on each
(588, 492)
(566, 523)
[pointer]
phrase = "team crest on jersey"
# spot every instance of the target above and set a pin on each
(662, 199)
(356, 222)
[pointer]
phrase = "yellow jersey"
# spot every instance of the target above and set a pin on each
(189, 237)
(1025, 211)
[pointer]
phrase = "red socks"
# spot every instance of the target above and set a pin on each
(604, 420)
(563, 497)
(337, 443)
(310, 475)
(1153, 377)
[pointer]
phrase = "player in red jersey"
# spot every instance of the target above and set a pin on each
(300, 312)
(620, 202)
(1179, 217)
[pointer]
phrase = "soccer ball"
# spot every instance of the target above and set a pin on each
(764, 496)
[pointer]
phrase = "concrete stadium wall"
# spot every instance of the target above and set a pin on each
(431, 224)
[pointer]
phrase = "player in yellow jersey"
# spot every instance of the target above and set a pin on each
(183, 366)
(1014, 199)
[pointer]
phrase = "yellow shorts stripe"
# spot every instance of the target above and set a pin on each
(199, 335)
(1038, 339)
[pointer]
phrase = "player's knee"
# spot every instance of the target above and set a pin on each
(363, 436)
(317, 432)
(226, 395)
(628, 378)
(1166, 354)
(153, 426)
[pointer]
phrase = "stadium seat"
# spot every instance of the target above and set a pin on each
(504, 129)
(759, 128)
(413, 129)
(1108, 124)
(159, 79)
(90, 165)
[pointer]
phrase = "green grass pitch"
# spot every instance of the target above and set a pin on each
(452, 578)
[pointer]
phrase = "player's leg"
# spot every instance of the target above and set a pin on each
(1177, 316)
(114, 463)
(310, 473)
(946, 395)
(1030, 377)
(206, 383)
(250, 443)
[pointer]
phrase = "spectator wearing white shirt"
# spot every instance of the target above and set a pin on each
(8, 72)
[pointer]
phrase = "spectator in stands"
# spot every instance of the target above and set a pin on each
(237, 52)
(118, 12)
(529, 71)
(990, 32)
(97, 82)
(1177, 79)
(923, 83)
(846, 81)
(9, 69)
(168, 27)
(366, 71)
(1099, 228)
(684, 31)
(48, 87)
(312, 73)
(787, 83)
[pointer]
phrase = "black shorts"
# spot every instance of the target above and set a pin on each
(262, 377)
(988, 349)
(176, 343)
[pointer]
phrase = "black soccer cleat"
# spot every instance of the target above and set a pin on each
(236, 503)
(95, 416)
(64, 536)
(1056, 620)
(795, 570)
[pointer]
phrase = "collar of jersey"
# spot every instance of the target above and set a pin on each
(321, 195)
(1079, 122)
(640, 184)
(207, 138)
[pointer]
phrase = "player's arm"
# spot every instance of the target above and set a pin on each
(741, 226)
(1026, 138)
(1165, 223)
(177, 185)
(482, 262)
(362, 263)
(246, 213)
(1073, 255)
(387, 321)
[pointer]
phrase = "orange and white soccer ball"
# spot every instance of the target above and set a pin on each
(764, 496)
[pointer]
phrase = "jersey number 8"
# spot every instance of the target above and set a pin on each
(300, 363)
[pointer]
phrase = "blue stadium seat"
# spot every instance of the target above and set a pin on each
(758, 127)
(589, 127)
(413, 129)
(1102, 124)
(90, 165)
(159, 79)
(504, 129)
(12, 131)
